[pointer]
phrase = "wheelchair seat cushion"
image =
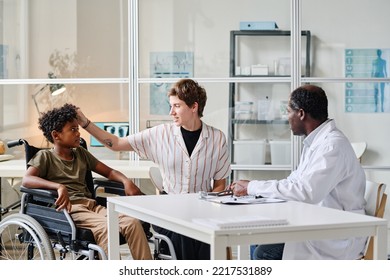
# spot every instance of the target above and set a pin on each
(85, 235)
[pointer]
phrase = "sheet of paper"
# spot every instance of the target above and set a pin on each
(240, 222)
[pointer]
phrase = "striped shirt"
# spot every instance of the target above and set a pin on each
(164, 145)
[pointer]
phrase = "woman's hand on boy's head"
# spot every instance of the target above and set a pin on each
(81, 118)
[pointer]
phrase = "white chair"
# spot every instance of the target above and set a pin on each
(157, 180)
(375, 197)
(359, 149)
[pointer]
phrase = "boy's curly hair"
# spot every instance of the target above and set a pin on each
(56, 119)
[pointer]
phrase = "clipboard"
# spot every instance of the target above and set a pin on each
(248, 199)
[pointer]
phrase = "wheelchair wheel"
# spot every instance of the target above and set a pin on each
(23, 238)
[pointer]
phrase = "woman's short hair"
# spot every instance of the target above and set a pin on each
(190, 92)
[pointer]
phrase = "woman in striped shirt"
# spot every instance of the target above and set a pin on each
(192, 156)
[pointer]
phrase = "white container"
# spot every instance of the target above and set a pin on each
(249, 152)
(243, 106)
(280, 152)
(243, 115)
(259, 69)
(263, 110)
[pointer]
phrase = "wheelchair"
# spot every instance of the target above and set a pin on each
(38, 229)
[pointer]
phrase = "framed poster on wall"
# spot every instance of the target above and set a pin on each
(167, 65)
(367, 97)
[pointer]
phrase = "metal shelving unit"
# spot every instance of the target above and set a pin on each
(234, 123)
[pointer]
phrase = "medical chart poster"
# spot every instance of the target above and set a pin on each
(373, 97)
(167, 65)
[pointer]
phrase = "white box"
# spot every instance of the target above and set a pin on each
(259, 70)
(258, 25)
(249, 152)
(280, 152)
(263, 110)
(243, 106)
(243, 115)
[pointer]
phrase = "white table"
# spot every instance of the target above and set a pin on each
(306, 222)
(12, 168)
(131, 168)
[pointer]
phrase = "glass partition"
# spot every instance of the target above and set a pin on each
(350, 61)
(338, 26)
(73, 39)
(200, 28)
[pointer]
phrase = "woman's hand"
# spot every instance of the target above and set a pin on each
(81, 118)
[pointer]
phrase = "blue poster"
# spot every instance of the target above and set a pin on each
(167, 65)
(367, 97)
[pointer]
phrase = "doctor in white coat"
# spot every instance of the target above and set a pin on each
(328, 175)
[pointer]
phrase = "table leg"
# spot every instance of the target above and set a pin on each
(113, 229)
(243, 252)
(380, 243)
(218, 248)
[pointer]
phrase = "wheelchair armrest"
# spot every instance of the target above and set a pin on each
(40, 192)
(39, 195)
(109, 186)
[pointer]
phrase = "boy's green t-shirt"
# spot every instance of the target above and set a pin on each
(70, 173)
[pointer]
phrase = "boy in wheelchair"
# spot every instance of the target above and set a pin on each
(63, 168)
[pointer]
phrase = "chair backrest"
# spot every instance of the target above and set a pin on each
(376, 198)
(359, 149)
(88, 176)
(156, 178)
(374, 195)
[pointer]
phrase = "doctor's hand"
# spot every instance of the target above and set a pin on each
(240, 187)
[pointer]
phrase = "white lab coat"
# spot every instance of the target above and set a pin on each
(328, 175)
